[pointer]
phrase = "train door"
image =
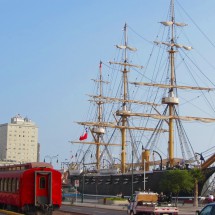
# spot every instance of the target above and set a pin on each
(43, 187)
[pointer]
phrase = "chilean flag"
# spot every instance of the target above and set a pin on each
(84, 136)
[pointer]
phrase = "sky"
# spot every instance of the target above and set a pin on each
(49, 51)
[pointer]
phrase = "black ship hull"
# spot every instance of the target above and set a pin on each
(119, 183)
(115, 184)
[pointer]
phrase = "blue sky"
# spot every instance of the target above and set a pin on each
(50, 50)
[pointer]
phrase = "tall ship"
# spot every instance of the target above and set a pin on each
(138, 125)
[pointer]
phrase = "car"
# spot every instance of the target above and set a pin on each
(209, 209)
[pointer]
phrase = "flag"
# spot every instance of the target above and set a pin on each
(84, 136)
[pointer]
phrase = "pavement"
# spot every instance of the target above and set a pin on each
(184, 209)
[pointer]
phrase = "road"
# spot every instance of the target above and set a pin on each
(100, 209)
(93, 210)
(75, 210)
(111, 210)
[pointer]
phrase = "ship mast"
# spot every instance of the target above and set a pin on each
(125, 96)
(171, 93)
(98, 134)
(97, 130)
(171, 100)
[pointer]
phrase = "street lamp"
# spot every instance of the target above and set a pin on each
(161, 165)
(82, 197)
(50, 158)
(132, 172)
(132, 168)
(144, 174)
(83, 159)
(84, 153)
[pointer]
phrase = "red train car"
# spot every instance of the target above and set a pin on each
(31, 188)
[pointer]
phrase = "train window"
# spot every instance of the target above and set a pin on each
(13, 185)
(17, 184)
(9, 185)
(1, 185)
(42, 183)
(2, 188)
(5, 185)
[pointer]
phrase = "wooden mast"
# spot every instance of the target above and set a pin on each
(171, 100)
(97, 128)
(98, 135)
(171, 93)
(125, 95)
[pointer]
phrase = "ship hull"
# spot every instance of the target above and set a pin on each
(95, 184)
(119, 183)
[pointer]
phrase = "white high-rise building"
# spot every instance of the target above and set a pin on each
(19, 140)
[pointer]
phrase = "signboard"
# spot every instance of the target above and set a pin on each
(76, 183)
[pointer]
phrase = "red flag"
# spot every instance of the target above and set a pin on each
(84, 136)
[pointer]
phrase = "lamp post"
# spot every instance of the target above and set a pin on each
(134, 146)
(51, 158)
(161, 165)
(144, 174)
(82, 197)
(84, 153)
(83, 162)
(132, 172)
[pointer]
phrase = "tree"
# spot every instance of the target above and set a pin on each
(176, 181)
(197, 176)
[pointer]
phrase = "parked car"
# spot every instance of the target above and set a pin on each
(209, 209)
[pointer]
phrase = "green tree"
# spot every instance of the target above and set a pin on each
(197, 176)
(176, 181)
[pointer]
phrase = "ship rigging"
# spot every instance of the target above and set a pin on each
(145, 114)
